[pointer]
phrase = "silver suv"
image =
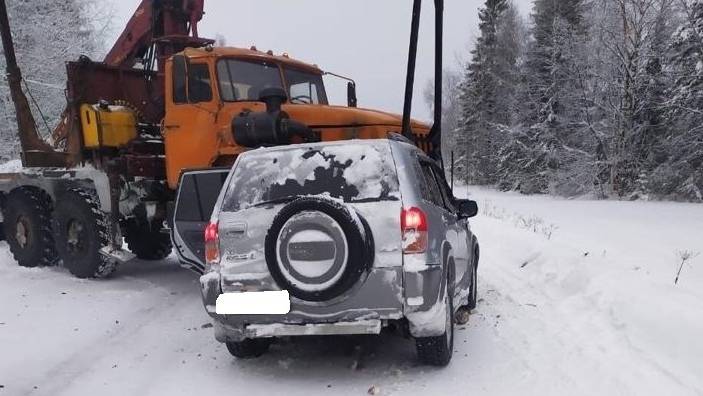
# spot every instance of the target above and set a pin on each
(334, 238)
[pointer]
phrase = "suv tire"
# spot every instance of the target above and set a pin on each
(438, 351)
(473, 294)
(359, 248)
(249, 348)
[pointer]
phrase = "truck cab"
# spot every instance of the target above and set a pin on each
(206, 88)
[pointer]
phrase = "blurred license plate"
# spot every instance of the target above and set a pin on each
(254, 303)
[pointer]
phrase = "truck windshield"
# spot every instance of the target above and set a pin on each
(354, 173)
(305, 87)
(242, 80)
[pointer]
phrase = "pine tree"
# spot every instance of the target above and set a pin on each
(487, 91)
(546, 144)
(680, 175)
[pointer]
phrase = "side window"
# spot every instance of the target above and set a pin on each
(198, 195)
(430, 190)
(199, 89)
(447, 194)
(180, 94)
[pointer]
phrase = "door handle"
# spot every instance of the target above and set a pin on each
(172, 126)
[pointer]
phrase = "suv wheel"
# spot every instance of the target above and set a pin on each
(473, 296)
(249, 348)
(438, 351)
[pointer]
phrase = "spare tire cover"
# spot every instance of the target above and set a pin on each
(318, 249)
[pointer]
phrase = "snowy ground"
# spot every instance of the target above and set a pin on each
(578, 298)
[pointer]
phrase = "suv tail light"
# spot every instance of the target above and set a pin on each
(413, 224)
(212, 244)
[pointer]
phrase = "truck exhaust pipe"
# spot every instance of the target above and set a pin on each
(26, 125)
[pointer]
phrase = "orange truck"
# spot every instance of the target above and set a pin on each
(162, 102)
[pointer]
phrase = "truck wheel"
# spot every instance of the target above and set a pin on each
(249, 348)
(438, 351)
(146, 243)
(82, 230)
(27, 227)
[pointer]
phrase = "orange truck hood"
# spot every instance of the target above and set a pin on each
(320, 117)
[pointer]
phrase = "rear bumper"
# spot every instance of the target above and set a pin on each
(226, 333)
(383, 298)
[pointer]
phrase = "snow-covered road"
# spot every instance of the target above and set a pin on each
(578, 298)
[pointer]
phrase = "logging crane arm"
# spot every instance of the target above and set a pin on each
(157, 106)
(157, 30)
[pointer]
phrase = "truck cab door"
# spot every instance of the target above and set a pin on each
(190, 127)
(197, 195)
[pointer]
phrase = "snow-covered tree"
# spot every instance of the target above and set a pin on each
(487, 92)
(680, 175)
(608, 102)
(546, 144)
(451, 109)
(46, 35)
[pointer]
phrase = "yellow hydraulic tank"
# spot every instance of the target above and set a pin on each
(107, 126)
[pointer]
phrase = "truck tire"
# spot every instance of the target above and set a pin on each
(81, 230)
(147, 244)
(249, 348)
(438, 351)
(27, 227)
(346, 248)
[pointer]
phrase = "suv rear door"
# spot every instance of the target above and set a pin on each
(197, 195)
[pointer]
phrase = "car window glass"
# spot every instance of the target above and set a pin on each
(430, 192)
(305, 93)
(199, 89)
(180, 94)
(354, 173)
(447, 195)
(201, 190)
(242, 80)
(305, 87)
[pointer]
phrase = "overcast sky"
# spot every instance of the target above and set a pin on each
(364, 39)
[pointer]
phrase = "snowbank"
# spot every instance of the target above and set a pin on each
(591, 309)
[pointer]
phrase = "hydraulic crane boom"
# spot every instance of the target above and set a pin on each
(158, 28)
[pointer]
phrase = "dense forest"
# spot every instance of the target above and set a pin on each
(585, 97)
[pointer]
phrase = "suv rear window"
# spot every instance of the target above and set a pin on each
(351, 172)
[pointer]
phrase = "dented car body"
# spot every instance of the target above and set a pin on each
(361, 235)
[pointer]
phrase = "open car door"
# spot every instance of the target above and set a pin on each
(197, 195)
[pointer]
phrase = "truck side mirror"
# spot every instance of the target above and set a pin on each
(467, 208)
(351, 94)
